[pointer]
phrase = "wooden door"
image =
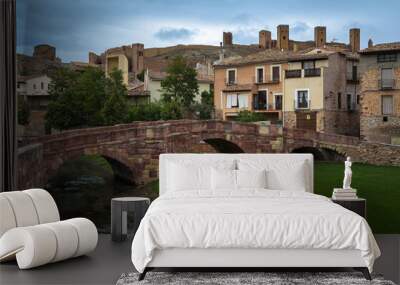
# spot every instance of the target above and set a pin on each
(306, 120)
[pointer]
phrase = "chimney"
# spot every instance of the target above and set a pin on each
(320, 36)
(227, 38)
(264, 39)
(370, 43)
(221, 52)
(354, 39)
(283, 37)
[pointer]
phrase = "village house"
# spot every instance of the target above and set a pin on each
(152, 84)
(253, 83)
(321, 88)
(380, 97)
(307, 87)
(35, 91)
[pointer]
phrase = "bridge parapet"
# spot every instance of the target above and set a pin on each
(136, 146)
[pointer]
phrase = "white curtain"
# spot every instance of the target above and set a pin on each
(231, 101)
(243, 102)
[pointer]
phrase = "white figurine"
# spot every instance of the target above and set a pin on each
(347, 174)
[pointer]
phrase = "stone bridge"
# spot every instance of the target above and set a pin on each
(133, 149)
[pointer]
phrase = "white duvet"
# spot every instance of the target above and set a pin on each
(250, 219)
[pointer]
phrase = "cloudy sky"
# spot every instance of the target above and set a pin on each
(78, 26)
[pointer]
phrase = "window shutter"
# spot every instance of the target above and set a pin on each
(387, 105)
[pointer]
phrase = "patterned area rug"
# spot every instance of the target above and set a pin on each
(243, 278)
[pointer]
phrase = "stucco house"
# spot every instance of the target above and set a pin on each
(152, 84)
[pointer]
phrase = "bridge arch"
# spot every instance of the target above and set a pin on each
(223, 146)
(321, 153)
(121, 168)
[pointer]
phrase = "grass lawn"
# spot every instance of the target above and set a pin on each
(380, 185)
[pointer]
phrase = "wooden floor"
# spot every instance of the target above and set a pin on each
(110, 260)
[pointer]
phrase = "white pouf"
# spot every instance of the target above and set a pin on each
(31, 232)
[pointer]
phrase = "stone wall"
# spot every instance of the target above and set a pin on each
(135, 147)
(30, 166)
(138, 145)
(375, 126)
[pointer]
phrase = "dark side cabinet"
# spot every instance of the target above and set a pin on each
(358, 206)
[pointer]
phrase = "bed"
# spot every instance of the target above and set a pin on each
(246, 211)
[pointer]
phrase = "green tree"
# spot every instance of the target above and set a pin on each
(65, 108)
(115, 109)
(88, 98)
(180, 85)
(171, 111)
(247, 117)
(24, 111)
(145, 112)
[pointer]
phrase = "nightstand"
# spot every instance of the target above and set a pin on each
(120, 207)
(357, 205)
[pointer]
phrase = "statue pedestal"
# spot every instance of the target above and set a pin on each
(344, 194)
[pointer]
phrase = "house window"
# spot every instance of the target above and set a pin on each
(387, 80)
(354, 72)
(278, 102)
(349, 102)
(260, 100)
(41, 85)
(34, 86)
(260, 75)
(302, 100)
(236, 101)
(276, 73)
(387, 105)
(242, 101)
(232, 101)
(231, 76)
(389, 57)
(358, 99)
(308, 64)
(339, 100)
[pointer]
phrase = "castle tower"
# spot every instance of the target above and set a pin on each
(283, 37)
(45, 52)
(370, 43)
(320, 36)
(227, 39)
(264, 39)
(354, 37)
(137, 58)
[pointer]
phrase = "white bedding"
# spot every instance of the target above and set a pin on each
(251, 218)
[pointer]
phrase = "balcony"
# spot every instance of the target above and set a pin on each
(263, 81)
(387, 84)
(265, 108)
(312, 72)
(352, 78)
(295, 73)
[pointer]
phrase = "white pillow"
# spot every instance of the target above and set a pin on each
(223, 179)
(251, 178)
(183, 178)
(281, 175)
(189, 175)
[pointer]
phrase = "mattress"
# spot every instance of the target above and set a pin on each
(250, 219)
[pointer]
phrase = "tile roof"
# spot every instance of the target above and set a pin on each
(395, 46)
(276, 55)
(157, 75)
